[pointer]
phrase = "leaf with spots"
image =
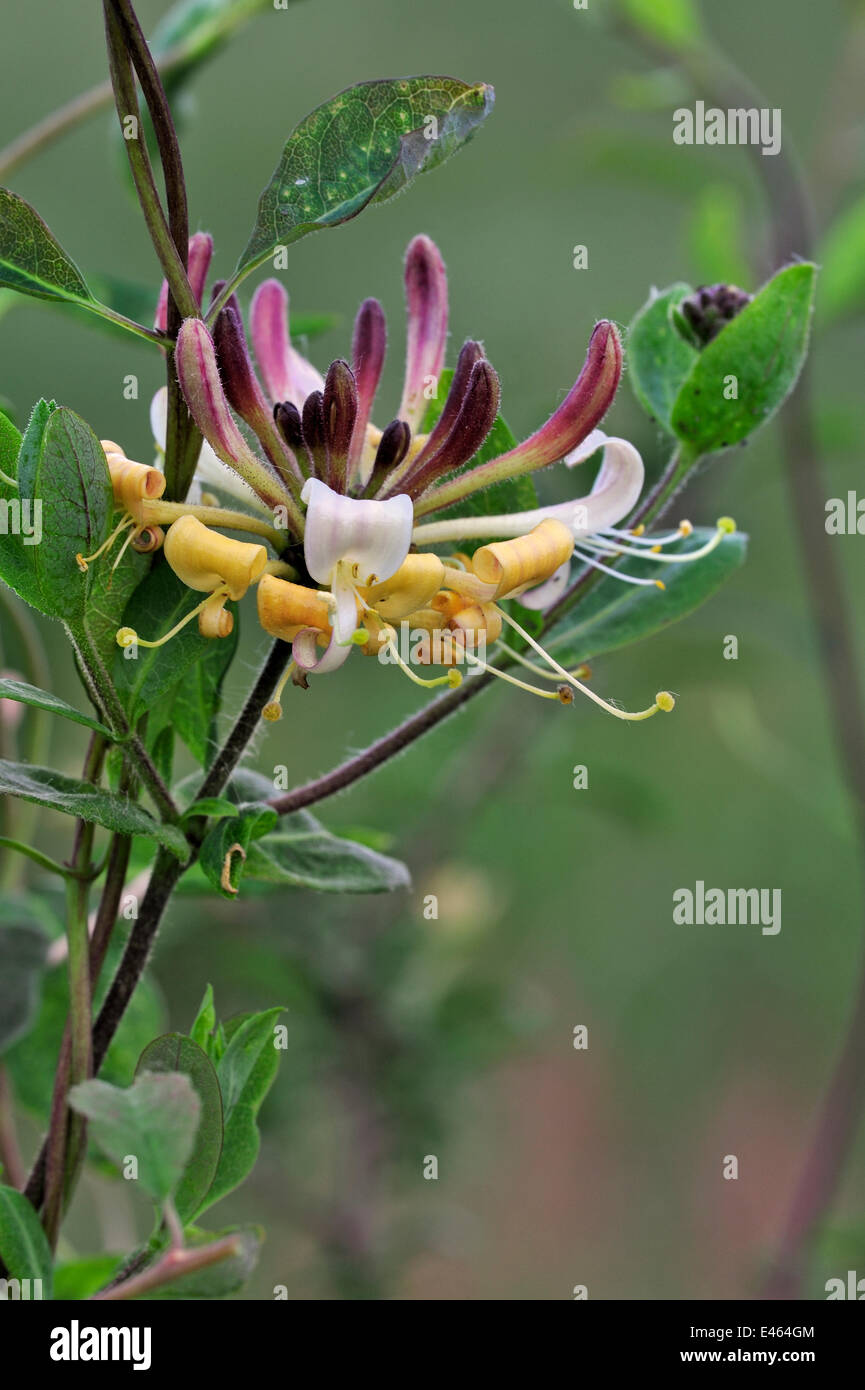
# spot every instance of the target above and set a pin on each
(361, 147)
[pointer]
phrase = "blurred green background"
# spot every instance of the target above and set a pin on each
(454, 1037)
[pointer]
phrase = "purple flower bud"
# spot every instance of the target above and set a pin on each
(426, 289)
(339, 411)
(287, 417)
(392, 449)
(584, 406)
(313, 433)
(287, 375)
(470, 353)
(474, 420)
(367, 358)
(198, 264)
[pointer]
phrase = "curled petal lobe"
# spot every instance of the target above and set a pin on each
(614, 494)
(371, 538)
(426, 290)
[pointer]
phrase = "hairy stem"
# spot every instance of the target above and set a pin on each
(173, 1266)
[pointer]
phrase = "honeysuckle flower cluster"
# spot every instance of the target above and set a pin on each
(351, 510)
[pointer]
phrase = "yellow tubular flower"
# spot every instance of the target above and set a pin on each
(285, 608)
(418, 578)
(207, 561)
(132, 483)
(527, 560)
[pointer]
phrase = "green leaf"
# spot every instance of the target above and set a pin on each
(197, 698)
(673, 22)
(156, 605)
(46, 787)
(23, 948)
(228, 843)
(246, 1072)
(10, 443)
(659, 359)
(361, 147)
(203, 1028)
(78, 1279)
(31, 260)
(154, 1120)
(17, 560)
(759, 354)
(614, 614)
(23, 1247)
(303, 854)
(513, 495)
(175, 1053)
(209, 806)
(842, 261)
(218, 1280)
(65, 473)
(44, 699)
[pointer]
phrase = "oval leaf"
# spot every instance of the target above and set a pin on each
(23, 1247)
(154, 1121)
(46, 787)
(362, 146)
(43, 699)
(175, 1053)
(615, 614)
(758, 356)
(659, 359)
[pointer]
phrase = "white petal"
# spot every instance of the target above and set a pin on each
(546, 594)
(593, 441)
(614, 493)
(309, 656)
(159, 417)
(372, 538)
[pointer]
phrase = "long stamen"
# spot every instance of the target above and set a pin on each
(168, 512)
(617, 574)
(581, 672)
(522, 685)
(663, 700)
(453, 677)
(638, 536)
(83, 561)
(126, 636)
(725, 527)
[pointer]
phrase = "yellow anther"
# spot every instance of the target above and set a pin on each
(638, 530)
(655, 550)
(273, 709)
(418, 578)
(664, 700)
(685, 528)
(726, 524)
(527, 560)
(285, 608)
(272, 712)
(659, 584)
(565, 694)
(455, 678)
(205, 560)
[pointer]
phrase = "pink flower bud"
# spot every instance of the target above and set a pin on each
(287, 375)
(367, 358)
(426, 289)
